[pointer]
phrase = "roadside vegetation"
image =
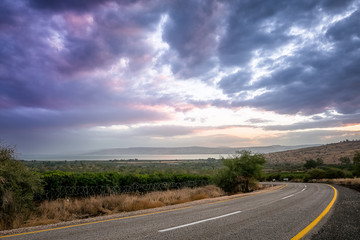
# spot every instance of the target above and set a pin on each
(315, 169)
(240, 172)
(18, 185)
(66, 209)
(353, 183)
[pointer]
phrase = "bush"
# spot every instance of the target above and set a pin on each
(356, 161)
(315, 173)
(18, 185)
(334, 173)
(240, 172)
(328, 172)
(313, 164)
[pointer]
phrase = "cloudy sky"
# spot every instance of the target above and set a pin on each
(83, 75)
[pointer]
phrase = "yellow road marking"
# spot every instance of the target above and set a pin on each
(120, 218)
(317, 220)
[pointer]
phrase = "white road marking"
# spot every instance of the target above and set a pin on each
(288, 196)
(201, 221)
(295, 193)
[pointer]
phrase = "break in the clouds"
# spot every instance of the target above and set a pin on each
(117, 73)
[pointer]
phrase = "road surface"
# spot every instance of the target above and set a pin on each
(279, 214)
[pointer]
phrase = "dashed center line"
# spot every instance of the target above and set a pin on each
(288, 196)
(201, 221)
(295, 193)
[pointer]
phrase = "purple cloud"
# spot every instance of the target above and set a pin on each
(86, 63)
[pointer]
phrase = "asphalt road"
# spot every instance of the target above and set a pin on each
(280, 214)
(344, 222)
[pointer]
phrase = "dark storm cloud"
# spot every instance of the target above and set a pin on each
(314, 79)
(261, 25)
(77, 5)
(53, 71)
(318, 81)
(22, 56)
(48, 61)
(114, 33)
(7, 17)
(191, 32)
(236, 82)
(245, 31)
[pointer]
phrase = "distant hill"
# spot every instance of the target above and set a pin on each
(329, 153)
(190, 150)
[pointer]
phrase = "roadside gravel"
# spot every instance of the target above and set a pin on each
(344, 222)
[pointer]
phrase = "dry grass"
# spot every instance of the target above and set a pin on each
(353, 183)
(329, 153)
(70, 209)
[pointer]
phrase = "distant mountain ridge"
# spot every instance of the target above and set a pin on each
(192, 150)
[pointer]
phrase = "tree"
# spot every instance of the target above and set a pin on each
(315, 173)
(345, 160)
(240, 171)
(356, 161)
(17, 188)
(313, 164)
(310, 164)
(319, 162)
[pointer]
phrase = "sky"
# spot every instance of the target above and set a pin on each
(77, 76)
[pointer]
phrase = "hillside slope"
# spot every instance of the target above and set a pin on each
(329, 153)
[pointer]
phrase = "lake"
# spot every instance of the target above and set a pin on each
(119, 157)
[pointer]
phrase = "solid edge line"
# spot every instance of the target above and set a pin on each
(317, 220)
(120, 218)
(197, 222)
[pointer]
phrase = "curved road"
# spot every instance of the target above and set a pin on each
(279, 214)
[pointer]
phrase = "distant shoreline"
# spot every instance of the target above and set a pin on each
(140, 157)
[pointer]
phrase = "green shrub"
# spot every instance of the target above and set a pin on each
(356, 161)
(18, 185)
(240, 171)
(334, 173)
(313, 164)
(315, 173)
(327, 172)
